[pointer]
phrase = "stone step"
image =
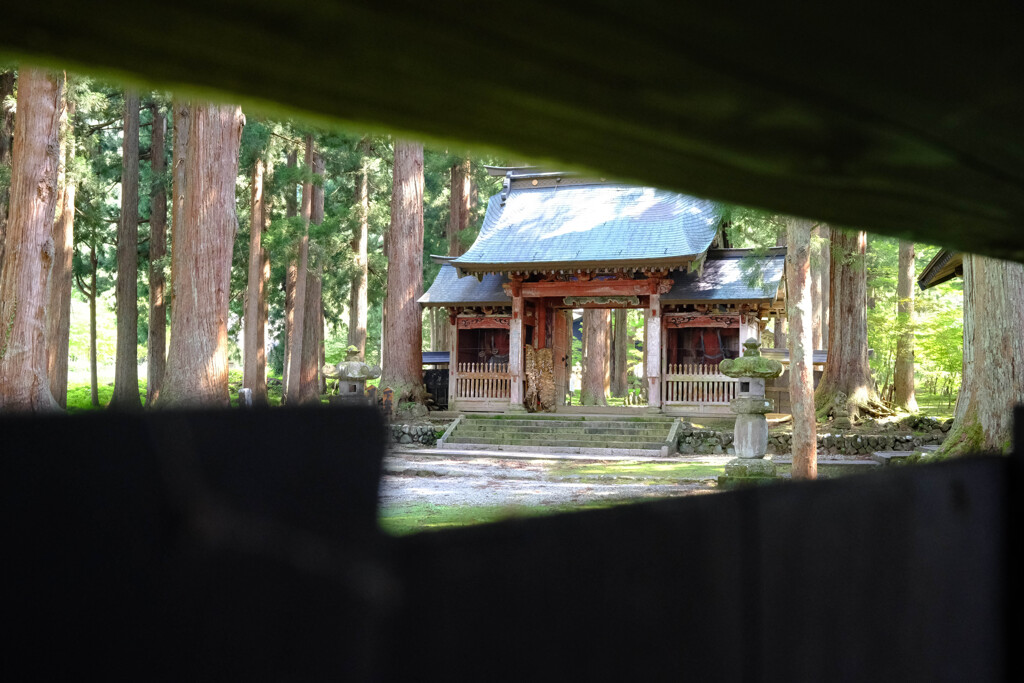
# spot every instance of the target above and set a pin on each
(570, 424)
(563, 450)
(889, 457)
(556, 443)
(584, 430)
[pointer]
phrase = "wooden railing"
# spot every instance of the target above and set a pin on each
(482, 381)
(697, 384)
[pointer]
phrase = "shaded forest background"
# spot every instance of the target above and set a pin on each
(94, 164)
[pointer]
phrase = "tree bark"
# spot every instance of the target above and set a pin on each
(620, 348)
(182, 127)
(403, 329)
(993, 369)
(847, 368)
(58, 313)
(594, 391)
(779, 332)
(24, 384)
(156, 344)
(6, 138)
(818, 267)
(94, 383)
(825, 287)
(799, 311)
(903, 380)
(197, 361)
(254, 330)
(295, 389)
(359, 295)
(311, 315)
(126, 364)
(458, 205)
(291, 210)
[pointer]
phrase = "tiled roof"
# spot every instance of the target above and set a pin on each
(556, 226)
(449, 289)
(730, 275)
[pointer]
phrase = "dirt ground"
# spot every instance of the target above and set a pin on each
(411, 478)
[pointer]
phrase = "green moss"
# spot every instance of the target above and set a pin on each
(399, 520)
(630, 471)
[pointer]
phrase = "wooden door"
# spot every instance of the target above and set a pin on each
(560, 354)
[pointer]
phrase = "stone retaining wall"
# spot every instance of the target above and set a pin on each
(413, 433)
(693, 441)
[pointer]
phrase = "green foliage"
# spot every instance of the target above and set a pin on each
(938, 321)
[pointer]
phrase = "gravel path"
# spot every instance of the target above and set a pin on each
(473, 481)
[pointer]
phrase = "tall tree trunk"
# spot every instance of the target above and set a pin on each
(58, 312)
(458, 205)
(322, 346)
(291, 210)
(903, 382)
(799, 311)
(312, 328)
(403, 329)
(254, 331)
(359, 294)
(779, 332)
(6, 138)
(594, 391)
(779, 329)
(156, 343)
(182, 127)
(817, 267)
(126, 364)
(993, 369)
(847, 369)
(94, 382)
(297, 338)
(197, 360)
(620, 347)
(24, 384)
(261, 347)
(825, 286)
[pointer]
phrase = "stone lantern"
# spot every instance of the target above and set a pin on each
(750, 405)
(351, 374)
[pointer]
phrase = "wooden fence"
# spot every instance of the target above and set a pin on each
(487, 382)
(698, 385)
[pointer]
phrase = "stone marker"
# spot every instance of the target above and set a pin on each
(750, 405)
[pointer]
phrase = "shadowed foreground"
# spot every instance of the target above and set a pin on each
(245, 545)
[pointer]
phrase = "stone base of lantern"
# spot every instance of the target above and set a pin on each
(748, 472)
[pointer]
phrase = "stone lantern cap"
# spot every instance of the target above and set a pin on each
(352, 369)
(751, 363)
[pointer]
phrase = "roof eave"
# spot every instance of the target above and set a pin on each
(670, 263)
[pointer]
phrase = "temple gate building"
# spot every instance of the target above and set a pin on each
(554, 242)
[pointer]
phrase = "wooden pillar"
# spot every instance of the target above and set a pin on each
(653, 347)
(453, 359)
(540, 333)
(515, 351)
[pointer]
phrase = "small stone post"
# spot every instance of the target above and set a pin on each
(750, 405)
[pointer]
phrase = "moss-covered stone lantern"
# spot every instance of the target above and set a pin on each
(352, 374)
(750, 405)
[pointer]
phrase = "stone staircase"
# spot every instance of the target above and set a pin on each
(605, 434)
